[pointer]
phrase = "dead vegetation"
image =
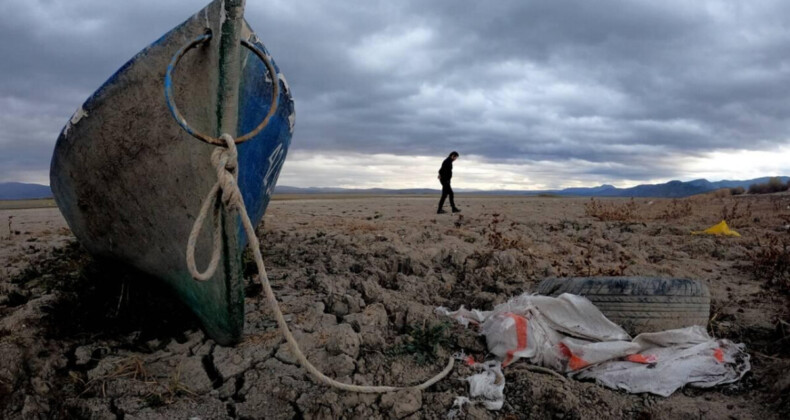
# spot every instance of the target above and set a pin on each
(158, 391)
(676, 210)
(773, 185)
(737, 214)
(502, 240)
(769, 261)
(610, 212)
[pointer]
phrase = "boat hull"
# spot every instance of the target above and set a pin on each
(129, 181)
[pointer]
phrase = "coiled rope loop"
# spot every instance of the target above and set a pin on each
(225, 161)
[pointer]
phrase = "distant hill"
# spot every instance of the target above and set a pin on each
(20, 191)
(671, 189)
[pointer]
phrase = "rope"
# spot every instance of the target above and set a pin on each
(225, 161)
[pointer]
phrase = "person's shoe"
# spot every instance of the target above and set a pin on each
(456, 210)
(440, 211)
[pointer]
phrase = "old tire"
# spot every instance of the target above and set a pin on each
(639, 304)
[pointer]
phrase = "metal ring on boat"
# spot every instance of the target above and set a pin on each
(171, 105)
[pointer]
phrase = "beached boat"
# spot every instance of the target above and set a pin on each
(129, 178)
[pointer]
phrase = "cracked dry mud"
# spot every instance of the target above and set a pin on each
(81, 338)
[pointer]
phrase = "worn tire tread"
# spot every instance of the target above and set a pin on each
(639, 304)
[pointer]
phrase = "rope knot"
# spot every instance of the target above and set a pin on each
(226, 163)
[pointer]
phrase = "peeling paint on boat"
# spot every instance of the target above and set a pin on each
(275, 160)
(292, 115)
(75, 118)
(222, 14)
(285, 82)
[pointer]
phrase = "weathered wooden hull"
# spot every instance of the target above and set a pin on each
(130, 181)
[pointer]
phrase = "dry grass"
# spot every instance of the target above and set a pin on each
(500, 240)
(133, 368)
(770, 261)
(611, 212)
(676, 210)
(737, 215)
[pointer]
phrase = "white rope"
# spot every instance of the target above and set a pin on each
(225, 160)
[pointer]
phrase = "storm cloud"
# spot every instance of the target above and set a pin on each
(531, 94)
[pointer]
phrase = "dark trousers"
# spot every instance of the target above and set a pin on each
(447, 191)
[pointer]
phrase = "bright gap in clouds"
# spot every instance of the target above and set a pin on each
(303, 169)
(738, 164)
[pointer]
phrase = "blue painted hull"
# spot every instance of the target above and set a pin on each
(129, 180)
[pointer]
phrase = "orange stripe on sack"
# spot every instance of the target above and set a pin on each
(521, 337)
(719, 355)
(642, 358)
(574, 362)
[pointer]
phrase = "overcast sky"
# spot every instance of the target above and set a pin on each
(532, 94)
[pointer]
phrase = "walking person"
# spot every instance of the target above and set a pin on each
(445, 174)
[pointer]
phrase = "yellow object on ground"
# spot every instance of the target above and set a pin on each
(720, 229)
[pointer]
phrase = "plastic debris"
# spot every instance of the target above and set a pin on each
(719, 229)
(570, 335)
(486, 387)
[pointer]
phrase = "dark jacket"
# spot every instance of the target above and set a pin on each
(447, 170)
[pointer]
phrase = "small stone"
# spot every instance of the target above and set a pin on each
(82, 355)
(226, 390)
(327, 321)
(285, 355)
(343, 340)
(396, 369)
(339, 308)
(40, 386)
(230, 362)
(371, 291)
(372, 338)
(403, 403)
(374, 315)
(341, 365)
(194, 376)
(35, 407)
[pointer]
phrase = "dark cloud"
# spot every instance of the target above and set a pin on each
(624, 87)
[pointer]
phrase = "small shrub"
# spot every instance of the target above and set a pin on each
(771, 261)
(610, 212)
(737, 215)
(424, 342)
(737, 191)
(497, 239)
(677, 209)
(773, 185)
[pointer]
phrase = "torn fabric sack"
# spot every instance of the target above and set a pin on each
(569, 334)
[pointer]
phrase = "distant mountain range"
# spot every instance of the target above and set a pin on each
(20, 191)
(671, 189)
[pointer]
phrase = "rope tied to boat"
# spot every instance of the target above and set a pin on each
(226, 163)
(225, 160)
